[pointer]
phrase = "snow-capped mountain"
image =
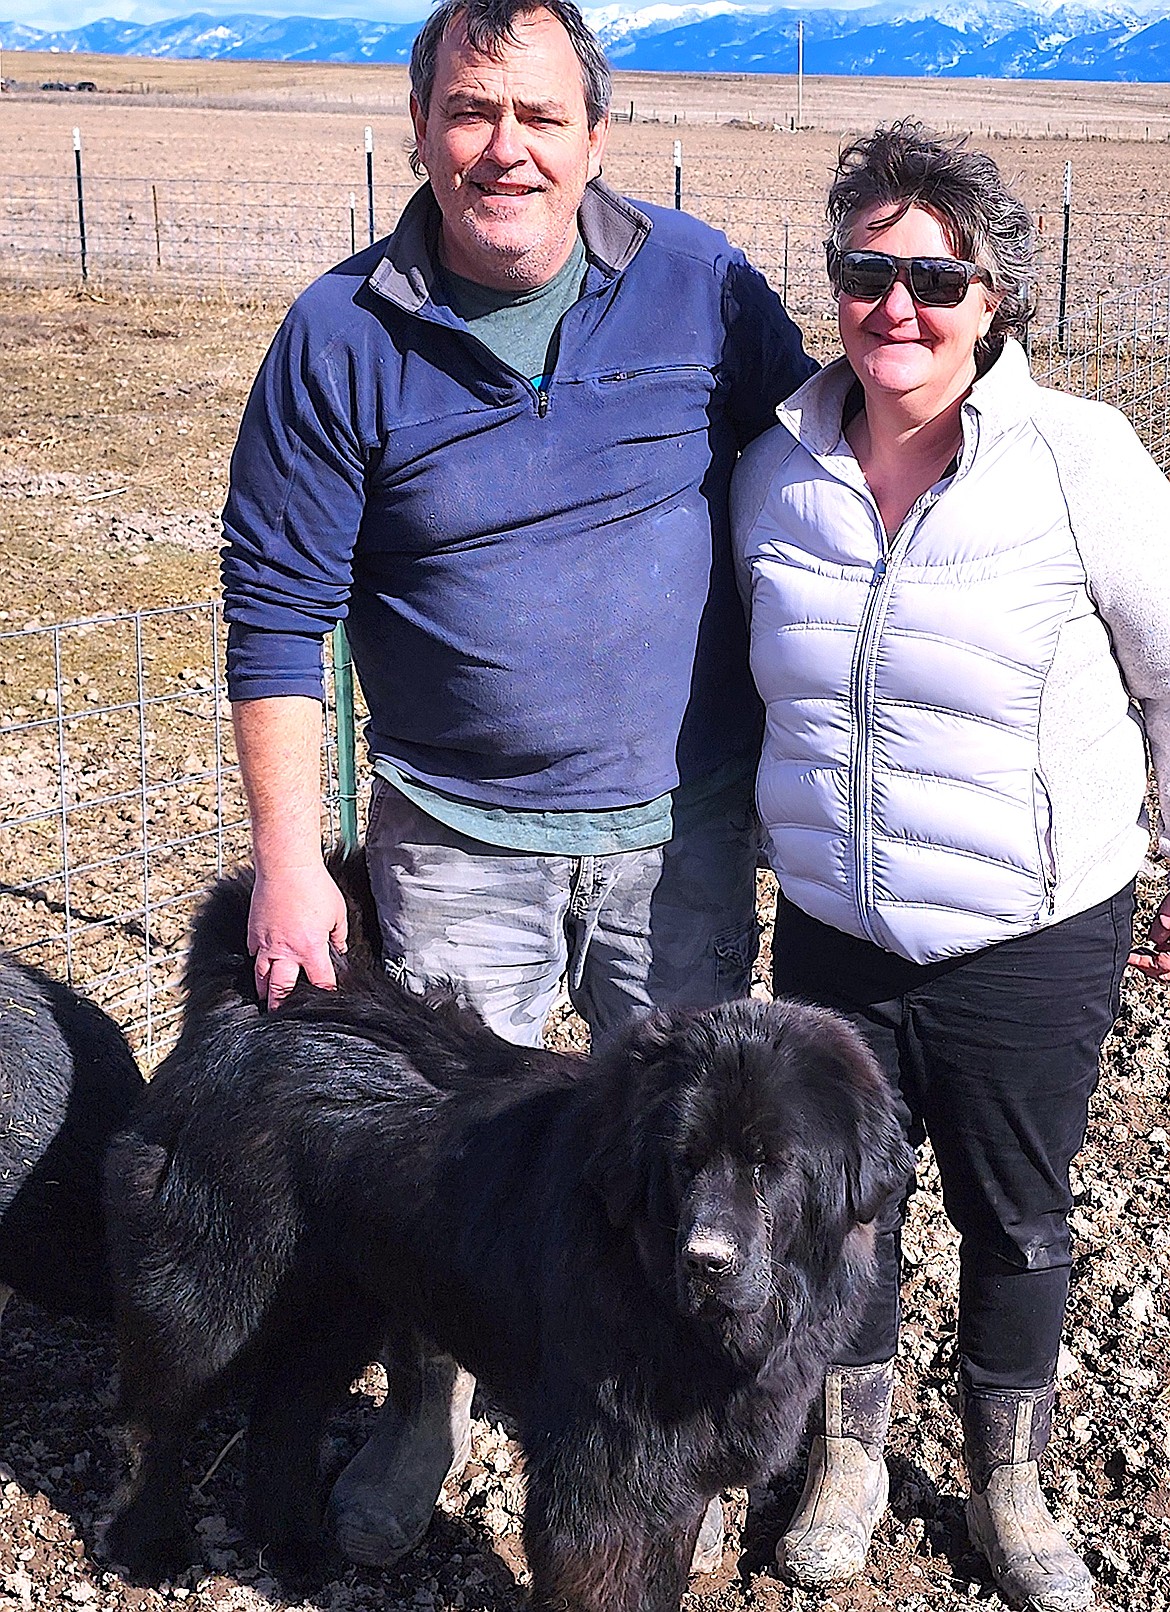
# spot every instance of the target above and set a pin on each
(903, 38)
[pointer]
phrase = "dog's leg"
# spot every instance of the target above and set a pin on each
(578, 1571)
(310, 1361)
(169, 1364)
(591, 1548)
(148, 1536)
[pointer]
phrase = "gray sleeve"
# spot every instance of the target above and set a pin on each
(1119, 506)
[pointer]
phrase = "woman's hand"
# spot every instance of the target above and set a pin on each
(1153, 959)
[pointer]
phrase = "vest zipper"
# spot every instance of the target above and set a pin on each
(869, 631)
(541, 403)
(860, 702)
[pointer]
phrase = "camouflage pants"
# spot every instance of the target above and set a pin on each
(670, 926)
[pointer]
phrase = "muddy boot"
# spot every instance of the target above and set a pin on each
(381, 1504)
(847, 1485)
(708, 1557)
(1005, 1432)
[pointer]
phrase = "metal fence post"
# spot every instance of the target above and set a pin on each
(678, 176)
(157, 229)
(80, 201)
(346, 742)
(1061, 319)
(370, 177)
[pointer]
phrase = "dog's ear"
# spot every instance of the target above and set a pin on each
(883, 1166)
(880, 1162)
(624, 1167)
(865, 1159)
(350, 872)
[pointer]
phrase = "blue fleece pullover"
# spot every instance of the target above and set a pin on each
(539, 586)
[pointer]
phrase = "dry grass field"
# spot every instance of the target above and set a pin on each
(117, 416)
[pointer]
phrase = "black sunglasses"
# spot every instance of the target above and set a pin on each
(936, 282)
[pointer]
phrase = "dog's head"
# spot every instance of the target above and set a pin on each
(748, 1147)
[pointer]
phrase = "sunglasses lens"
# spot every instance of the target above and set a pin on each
(939, 282)
(866, 275)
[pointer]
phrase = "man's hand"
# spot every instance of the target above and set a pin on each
(1153, 960)
(297, 910)
(297, 914)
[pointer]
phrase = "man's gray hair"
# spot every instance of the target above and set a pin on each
(905, 166)
(490, 24)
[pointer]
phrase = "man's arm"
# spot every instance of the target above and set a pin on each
(764, 357)
(297, 910)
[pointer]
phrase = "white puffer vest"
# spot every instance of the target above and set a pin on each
(903, 785)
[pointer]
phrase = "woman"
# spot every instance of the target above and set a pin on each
(959, 586)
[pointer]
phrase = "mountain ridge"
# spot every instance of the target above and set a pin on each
(1048, 39)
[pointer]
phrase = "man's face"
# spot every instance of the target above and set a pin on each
(508, 150)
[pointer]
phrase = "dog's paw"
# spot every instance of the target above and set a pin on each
(300, 1564)
(147, 1547)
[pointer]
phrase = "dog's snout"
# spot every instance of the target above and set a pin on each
(709, 1256)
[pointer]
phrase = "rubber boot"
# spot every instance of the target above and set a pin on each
(847, 1486)
(1005, 1432)
(381, 1505)
(708, 1557)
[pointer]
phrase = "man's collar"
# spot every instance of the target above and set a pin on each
(612, 228)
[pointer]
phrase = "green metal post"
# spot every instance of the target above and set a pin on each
(346, 743)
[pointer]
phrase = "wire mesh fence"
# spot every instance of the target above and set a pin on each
(1116, 348)
(120, 800)
(273, 237)
(120, 794)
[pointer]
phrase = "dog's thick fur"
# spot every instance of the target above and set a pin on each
(649, 1260)
(68, 1082)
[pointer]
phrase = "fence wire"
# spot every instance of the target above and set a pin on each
(120, 793)
(120, 799)
(274, 237)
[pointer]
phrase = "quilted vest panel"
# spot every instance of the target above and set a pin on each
(901, 788)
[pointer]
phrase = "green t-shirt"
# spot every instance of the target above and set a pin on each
(520, 327)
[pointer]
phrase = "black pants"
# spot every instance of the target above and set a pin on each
(995, 1056)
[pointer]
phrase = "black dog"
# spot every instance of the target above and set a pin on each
(648, 1260)
(68, 1082)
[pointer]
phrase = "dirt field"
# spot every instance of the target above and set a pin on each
(252, 165)
(116, 421)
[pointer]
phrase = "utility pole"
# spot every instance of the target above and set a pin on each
(800, 74)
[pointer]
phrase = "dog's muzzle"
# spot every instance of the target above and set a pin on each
(717, 1276)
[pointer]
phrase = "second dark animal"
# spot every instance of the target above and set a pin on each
(68, 1081)
(648, 1259)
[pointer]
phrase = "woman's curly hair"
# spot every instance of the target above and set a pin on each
(905, 166)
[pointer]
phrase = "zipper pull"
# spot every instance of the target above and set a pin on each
(541, 404)
(879, 571)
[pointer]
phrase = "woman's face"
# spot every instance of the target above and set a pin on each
(899, 349)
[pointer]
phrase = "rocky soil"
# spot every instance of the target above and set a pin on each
(98, 398)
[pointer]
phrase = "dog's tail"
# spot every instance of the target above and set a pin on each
(219, 971)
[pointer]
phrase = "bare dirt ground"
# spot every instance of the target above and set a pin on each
(116, 421)
(236, 150)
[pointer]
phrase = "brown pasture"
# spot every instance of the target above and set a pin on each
(234, 141)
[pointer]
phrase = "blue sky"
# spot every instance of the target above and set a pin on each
(71, 14)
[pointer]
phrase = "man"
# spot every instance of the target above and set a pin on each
(501, 441)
